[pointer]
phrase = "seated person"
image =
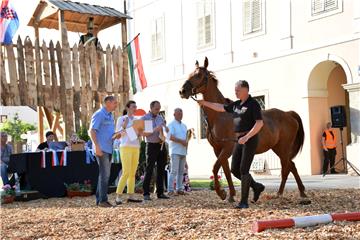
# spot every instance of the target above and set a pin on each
(50, 137)
(89, 36)
(6, 151)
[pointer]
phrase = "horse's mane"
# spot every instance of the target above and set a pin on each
(213, 77)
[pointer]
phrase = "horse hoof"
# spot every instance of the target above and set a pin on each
(222, 194)
(305, 201)
(231, 199)
(303, 195)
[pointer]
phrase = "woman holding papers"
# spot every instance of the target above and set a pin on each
(129, 153)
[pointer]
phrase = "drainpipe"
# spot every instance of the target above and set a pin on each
(291, 36)
(182, 37)
(231, 35)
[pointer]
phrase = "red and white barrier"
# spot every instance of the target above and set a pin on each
(306, 221)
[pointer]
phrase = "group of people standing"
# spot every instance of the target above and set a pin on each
(102, 130)
(247, 123)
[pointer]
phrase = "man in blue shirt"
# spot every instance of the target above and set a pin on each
(102, 127)
(154, 152)
(178, 150)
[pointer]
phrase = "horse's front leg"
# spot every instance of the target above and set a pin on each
(220, 192)
(225, 154)
(284, 175)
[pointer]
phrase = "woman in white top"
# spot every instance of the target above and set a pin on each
(129, 154)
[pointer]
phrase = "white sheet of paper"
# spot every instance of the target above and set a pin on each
(130, 132)
(167, 134)
(148, 126)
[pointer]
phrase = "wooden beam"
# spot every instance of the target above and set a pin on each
(125, 78)
(56, 124)
(44, 12)
(40, 124)
(48, 116)
(62, 28)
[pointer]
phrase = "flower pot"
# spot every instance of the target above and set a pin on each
(71, 194)
(7, 199)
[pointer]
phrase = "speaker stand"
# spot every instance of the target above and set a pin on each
(343, 158)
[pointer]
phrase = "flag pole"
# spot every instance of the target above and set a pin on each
(131, 41)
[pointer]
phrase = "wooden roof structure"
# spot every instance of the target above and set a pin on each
(67, 16)
(76, 15)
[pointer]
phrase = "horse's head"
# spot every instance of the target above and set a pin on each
(197, 81)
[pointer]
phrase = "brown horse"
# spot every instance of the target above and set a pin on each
(282, 131)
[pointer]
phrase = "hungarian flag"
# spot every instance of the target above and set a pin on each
(138, 80)
(9, 22)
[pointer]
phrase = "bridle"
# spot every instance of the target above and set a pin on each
(194, 97)
(194, 89)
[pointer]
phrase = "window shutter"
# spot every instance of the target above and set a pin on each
(157, 40)
(320, 6)
(204, 22)
(256, 15)
(252, 14)
(200, 31)
(153, 39)
(317, 6)
(330, 4)
(207, 29)
(246, 16)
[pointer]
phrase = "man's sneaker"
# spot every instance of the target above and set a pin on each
(118, 201)
(105, 204)
(147, 198)
(162, 196)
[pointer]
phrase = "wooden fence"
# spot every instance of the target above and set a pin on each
(72, 81)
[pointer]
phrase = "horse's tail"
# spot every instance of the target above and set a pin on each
(300, 135)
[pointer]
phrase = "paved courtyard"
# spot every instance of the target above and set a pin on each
(332, 181)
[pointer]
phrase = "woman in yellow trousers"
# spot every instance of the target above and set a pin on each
(129, 154)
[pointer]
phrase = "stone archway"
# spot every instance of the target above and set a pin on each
(325, 90)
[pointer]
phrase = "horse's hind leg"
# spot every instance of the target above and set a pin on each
(298, 180)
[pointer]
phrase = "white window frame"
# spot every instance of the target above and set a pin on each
(262, 30)
(158, 24)
(325, 12)
(201, 4)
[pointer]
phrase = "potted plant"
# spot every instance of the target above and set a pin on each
(7, 194)
(79, 189)
(212, 182)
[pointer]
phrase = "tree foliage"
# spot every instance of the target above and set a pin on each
(16, 127)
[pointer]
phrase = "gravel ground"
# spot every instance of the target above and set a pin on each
(198, 215)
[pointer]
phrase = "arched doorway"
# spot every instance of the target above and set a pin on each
(325, 90)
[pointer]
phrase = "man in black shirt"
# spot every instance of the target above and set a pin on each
(247, 123)
(50, 137)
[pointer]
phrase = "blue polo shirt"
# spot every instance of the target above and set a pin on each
(102, 122)
(178, 130)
